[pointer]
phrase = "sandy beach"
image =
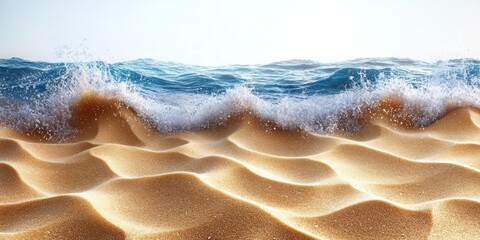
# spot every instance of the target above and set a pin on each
(246, 179)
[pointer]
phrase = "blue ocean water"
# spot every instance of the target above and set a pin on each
(319, 97)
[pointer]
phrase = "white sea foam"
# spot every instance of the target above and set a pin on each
(423, 102)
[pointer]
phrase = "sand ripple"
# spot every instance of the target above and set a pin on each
(245, 180)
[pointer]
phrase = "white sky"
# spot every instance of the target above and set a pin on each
(216, 32)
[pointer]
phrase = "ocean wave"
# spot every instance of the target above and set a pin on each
(322, 98)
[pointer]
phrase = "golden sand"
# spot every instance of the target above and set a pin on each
(245, 180)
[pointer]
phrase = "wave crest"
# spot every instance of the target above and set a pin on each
(368, 95)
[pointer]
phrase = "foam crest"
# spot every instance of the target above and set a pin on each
(413, 98)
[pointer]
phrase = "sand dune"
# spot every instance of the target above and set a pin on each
(246, 179)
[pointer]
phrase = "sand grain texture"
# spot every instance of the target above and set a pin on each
(118, 179)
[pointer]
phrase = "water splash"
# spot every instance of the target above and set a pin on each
(295, 94)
